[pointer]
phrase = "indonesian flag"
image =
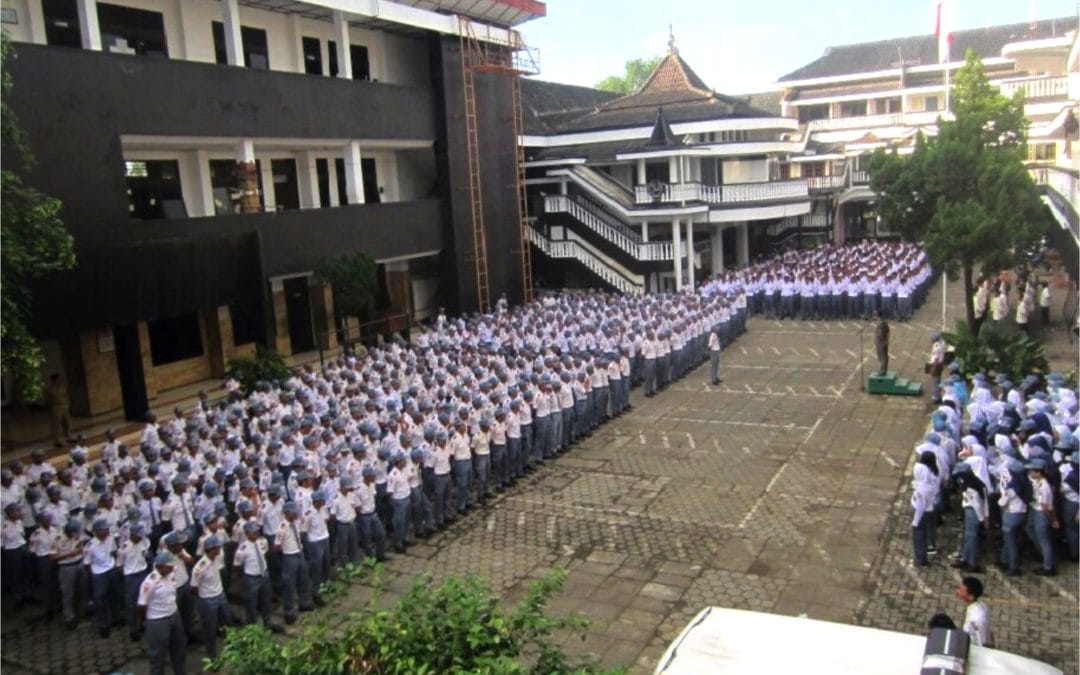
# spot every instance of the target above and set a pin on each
(943, 26)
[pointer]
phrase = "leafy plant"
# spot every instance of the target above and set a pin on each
(997, 349)
(352, 276)
(265, 366)
(636, 72)
(33, 243)
(457, 626)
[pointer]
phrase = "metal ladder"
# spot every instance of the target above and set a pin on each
(471, 58)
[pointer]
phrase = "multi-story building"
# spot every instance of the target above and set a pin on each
(655, 189)
(210, 153)
(857, 98)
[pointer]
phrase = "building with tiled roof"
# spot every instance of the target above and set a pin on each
(857, 98)
(655, 189)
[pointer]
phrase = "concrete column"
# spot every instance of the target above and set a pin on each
(234, 42)
(267, 171)
(149, 374)
(331, 170)
(296, 41)
(641, 171)
(676, 241)
(673, 170)
(563, 187)
(308, 178)
(88, 24)
(219, 338)
(645, 231)
(197, 173)
(717, 249)
(354, 173)
(690, 251)
(344, 55)
(328, 306)
(36, 19)
(743, 244)
(282, 343)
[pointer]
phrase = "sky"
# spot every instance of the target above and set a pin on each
(741, 46)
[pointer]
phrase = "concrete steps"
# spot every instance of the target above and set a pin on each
(891, 385)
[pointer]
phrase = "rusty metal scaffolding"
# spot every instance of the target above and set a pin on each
(512, 59)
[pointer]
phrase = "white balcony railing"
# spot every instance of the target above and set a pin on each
(909, 119)
(1037, 87)
(609, 228)
(733, 193)
(860, 177)
(826, 182)
(573, 249)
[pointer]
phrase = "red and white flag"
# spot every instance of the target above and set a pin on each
(944, 19)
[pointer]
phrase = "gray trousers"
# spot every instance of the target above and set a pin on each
(294, 576)
(347, 548)
(166, 637)
(212, 611)
(714, 366)
(72, 586)
(650, 376)
(257, 598)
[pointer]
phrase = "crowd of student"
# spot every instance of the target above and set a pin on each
(1003, 457)
(265, 493)
(854, 281)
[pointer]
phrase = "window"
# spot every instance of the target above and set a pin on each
(61, 23)
(322, 174)
(783, 171)
(256, 53)
(358, 54)
(1042, 152)
(125, 30)
(342, 191)
(153, 188)
(813, 169)
(286, 188)
(226, 188)
(312, 55)
(809, 113)
(853, 109)
(930, 103)
(175, 339)
(246, 324)
(892, 104)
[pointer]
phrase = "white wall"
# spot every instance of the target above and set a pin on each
(24, 29)
(746, 170)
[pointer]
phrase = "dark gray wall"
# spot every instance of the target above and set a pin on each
(75, 104)
(498, 166)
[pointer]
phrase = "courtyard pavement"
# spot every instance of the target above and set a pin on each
(783, 490)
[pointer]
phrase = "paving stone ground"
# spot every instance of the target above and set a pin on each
(782, 490)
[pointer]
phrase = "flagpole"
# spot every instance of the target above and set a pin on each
(946, 85)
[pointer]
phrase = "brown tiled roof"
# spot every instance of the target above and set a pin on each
(673, 81)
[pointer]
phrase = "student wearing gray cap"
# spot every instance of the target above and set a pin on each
(212, 606)
(295, 575)
(132, 560)
(165, 635)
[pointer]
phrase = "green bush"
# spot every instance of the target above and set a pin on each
(265, 366)
(457, 626)
(997, 348)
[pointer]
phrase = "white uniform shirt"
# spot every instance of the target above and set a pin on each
(250, 554)
(288, 537)
(977, 623)
(315, 524)
(206, 576)
(158, 595)
(132, 556)
(364, 498)
(99, 554)
(12, 534)
(343, 508)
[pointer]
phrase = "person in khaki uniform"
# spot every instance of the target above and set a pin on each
(59, 410)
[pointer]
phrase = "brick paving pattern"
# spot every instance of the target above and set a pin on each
(784, 490)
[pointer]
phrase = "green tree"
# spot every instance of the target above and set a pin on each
(33, 242)
(965, 193)
(637, 71)
(352, 276)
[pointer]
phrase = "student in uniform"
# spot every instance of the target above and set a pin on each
(71, 575)
(295, 575)
(316, 536)
(976, 616)
(132, 559)
(158, 610)
(251, 562)
(99, 556)
(174, 545)
(1041, 517)
(42, 545)
(343, 515)
(14, 553)
(206, 585)
(397, 486)
(714, 356)
(372, 532)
